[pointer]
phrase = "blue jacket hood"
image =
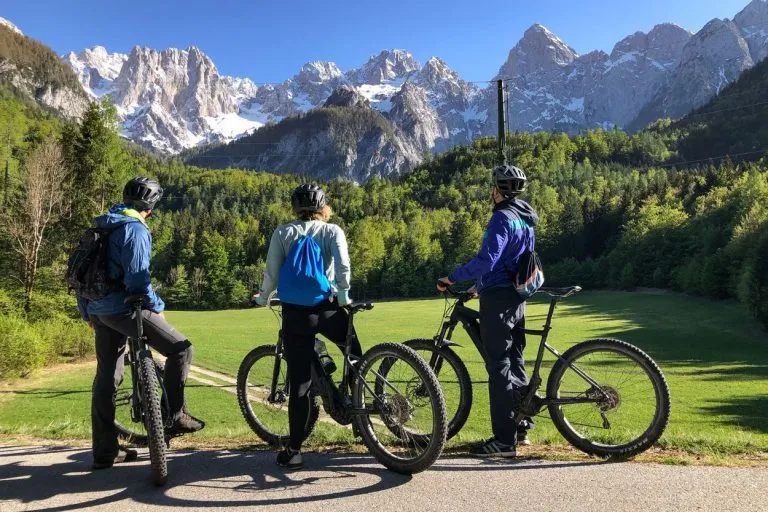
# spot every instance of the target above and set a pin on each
(112, 219)
(521, 208)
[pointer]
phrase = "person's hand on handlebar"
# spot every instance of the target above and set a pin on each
(472, 291)
(257, 301)
(443, 283)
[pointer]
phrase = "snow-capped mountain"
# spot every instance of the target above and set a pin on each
(174, 99)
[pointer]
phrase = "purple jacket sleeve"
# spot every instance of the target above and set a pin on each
(494, 242)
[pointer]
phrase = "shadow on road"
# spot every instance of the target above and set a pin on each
(254, 474)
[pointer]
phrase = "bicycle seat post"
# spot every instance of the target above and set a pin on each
(136, 311)
(552, 304)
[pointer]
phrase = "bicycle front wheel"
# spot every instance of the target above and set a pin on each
(407, 422)
(133, 433)
(453, 376)
(266, 408)
(149, 387)
(624, 414)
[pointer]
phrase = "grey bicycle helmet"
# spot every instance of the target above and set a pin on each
(142, 193)
(510, 180)
(308, 198)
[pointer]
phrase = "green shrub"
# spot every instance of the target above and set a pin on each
(21, 348)
(8, 304)
(65, 338)
(627, 277)
(45, 306)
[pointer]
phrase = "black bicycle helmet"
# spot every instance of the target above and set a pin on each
(510, 180)
(308, 198)
(142, 193)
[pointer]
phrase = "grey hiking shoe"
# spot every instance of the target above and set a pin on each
(289, 458)
(493, 448)
(186, 424)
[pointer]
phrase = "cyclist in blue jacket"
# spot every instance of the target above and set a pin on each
(502, 312)
(129, 252)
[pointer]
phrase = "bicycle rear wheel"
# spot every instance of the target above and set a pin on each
(149, 387)
(629, 410)
(267, 414)
(407, 424)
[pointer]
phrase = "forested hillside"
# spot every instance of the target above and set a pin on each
(616, 212)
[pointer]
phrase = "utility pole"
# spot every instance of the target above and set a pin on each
(502, 133)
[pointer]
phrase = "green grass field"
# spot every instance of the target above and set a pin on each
(714, 356)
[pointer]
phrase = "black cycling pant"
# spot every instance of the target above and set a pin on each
(300, 326)
(111, 332)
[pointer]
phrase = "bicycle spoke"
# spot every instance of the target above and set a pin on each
(626, 399)
(404, 421)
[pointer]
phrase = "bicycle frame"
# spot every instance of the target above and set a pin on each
(325, 383)
(470, 320)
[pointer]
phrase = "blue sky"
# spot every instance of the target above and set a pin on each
(269, 41)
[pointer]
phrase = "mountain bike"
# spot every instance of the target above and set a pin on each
(403, 429)
(605, 396)
(141, 405)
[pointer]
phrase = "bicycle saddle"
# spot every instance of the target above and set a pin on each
(133, 299)
(560, 292)
(360, 306)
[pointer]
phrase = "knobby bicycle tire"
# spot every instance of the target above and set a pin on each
(125, 432)
(661, 391)
(251, 417)
(153, 418)
(435, 440)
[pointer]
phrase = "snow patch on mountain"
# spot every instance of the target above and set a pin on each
(175, 99)
(4, 22)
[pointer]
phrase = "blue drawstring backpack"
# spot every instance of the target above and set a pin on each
(302, 278)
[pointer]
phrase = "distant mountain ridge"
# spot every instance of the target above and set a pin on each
(35, 73)
(174, 100)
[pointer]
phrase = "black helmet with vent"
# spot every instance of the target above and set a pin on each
(308, 198)
(510, 180)
(142, 193)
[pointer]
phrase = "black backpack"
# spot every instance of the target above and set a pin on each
(529, 276)
(87, 271)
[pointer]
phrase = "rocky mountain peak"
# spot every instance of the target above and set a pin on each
(5, 23)
(436, 71)
(539, 50)
(387, 65)
(753, 22)
(96, 68)
(318, 72)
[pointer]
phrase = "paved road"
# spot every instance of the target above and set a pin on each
(58, 479)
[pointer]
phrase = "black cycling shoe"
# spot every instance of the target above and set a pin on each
(123, 455)
(493, 448)
(185, 424)
(289, 458)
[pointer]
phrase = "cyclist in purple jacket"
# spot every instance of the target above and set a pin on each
(502, 312)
